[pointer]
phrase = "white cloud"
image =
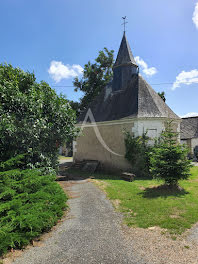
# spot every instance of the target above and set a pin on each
(143, 65)
(190, 115)
(59, 71)
(185, 78)
(195, 15)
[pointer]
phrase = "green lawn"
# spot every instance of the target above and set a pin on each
(144, 205)
(64, 158)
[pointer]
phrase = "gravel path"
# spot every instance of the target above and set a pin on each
(91, 233)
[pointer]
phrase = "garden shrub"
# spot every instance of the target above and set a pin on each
(33, 119)
(30, 203)
(137, 153)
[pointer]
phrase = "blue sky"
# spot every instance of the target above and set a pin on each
(62, 33)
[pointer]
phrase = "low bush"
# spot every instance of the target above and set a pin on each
(30, 203)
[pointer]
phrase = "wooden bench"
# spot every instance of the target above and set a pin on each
(128, 176)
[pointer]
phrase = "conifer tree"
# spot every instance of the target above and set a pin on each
(168, 159)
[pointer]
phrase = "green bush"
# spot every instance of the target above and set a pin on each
(30, 203)
(137, 153)
(168, 158)
(33, 118)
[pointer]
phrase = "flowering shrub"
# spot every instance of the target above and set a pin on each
(33, 118)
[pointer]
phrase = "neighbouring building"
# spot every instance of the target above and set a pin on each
(127, 103)
(189, 132)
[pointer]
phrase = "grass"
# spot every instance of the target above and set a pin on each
(146, 203)
(64, 158)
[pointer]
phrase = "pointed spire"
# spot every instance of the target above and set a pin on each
(125, 56)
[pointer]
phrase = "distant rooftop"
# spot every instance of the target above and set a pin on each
(189, 127)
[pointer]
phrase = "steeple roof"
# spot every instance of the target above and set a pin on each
(125, 56)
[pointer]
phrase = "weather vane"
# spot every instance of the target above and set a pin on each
(125, 22)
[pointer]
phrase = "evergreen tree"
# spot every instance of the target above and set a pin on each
(168, 159)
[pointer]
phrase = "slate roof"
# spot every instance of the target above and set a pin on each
(138, 100)
(189, 128)
(125, 56)
(134, 96)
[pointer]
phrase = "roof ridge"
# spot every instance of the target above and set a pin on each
(189, 117)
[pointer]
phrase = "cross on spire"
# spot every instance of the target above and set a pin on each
(125, 22)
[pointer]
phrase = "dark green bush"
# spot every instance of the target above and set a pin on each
(30, 204)
(33, 119)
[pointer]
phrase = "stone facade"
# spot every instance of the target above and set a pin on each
(90, 147)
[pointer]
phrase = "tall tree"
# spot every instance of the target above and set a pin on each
(95, 77)
(33, 118)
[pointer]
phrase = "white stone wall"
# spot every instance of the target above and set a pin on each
(152, 127)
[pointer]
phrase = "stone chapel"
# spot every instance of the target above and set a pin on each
(128, 103)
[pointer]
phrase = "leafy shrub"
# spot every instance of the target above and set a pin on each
(168, 158)
(137, 153)
(33, 118)
(30, 203)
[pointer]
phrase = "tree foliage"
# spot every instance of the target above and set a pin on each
(75, 106)
(95, 77)
(162, 95)
(33, 118)
(168, 158)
